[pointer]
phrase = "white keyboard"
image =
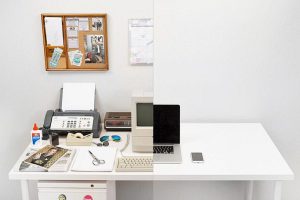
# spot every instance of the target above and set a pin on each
(135, 164)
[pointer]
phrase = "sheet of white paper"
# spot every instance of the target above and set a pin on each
(83, 160)
(83, 24)
(141, 41)
(72, 31)
(73, 43)
(78, 96)
(54, 33)
(72, 21)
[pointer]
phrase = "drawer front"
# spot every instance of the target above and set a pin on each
(73, 184)
(71, 194)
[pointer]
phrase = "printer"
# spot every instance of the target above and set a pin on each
(76, 113)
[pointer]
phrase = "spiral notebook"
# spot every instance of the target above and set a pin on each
(84, 162)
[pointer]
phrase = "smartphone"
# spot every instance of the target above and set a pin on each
(197, 157)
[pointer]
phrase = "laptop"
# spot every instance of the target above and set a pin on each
(166, 134)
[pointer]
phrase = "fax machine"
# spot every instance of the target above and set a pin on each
(64, 122)
(60, 122)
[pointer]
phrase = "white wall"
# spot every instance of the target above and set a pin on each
(27, 90)
(233, 61)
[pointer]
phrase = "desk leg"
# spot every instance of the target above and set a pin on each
(111, 190)
(277, 190)
(25, 190)
(249, 190)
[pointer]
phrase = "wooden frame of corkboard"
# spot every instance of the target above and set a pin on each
(92, 43)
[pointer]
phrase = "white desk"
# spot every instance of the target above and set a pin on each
(231, 152)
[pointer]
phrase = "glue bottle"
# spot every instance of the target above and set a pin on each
(36, 136)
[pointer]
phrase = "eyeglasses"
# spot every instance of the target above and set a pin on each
(115, 138)
(104, 140)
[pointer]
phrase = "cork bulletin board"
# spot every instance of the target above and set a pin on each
(75, 42)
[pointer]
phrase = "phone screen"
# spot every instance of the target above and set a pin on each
(197, 157)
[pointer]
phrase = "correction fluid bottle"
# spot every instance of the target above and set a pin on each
(36, 137)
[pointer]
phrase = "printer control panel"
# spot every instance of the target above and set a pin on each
(72, 123)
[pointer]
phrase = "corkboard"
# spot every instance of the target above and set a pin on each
(85, 33)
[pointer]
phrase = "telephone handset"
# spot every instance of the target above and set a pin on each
(47, 124)
(48, 119)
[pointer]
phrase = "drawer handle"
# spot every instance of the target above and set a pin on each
(62, 197)
(87, 197)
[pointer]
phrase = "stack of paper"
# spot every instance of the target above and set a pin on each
(78, 96)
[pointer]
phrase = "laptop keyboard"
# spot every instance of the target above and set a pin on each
(163, 149)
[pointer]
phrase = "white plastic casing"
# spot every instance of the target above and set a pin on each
(142, 137)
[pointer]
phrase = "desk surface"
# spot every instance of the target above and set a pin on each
(232, 151)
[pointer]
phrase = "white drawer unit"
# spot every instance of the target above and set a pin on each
(72, 190)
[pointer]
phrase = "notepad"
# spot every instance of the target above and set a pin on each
(83, 160)
(78, 96)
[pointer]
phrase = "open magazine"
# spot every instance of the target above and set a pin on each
(48, 158)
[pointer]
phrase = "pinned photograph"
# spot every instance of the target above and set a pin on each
(97, 24)
(94, 49)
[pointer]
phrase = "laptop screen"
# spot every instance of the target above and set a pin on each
(166, 127)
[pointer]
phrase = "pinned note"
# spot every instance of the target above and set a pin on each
(55, 57)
